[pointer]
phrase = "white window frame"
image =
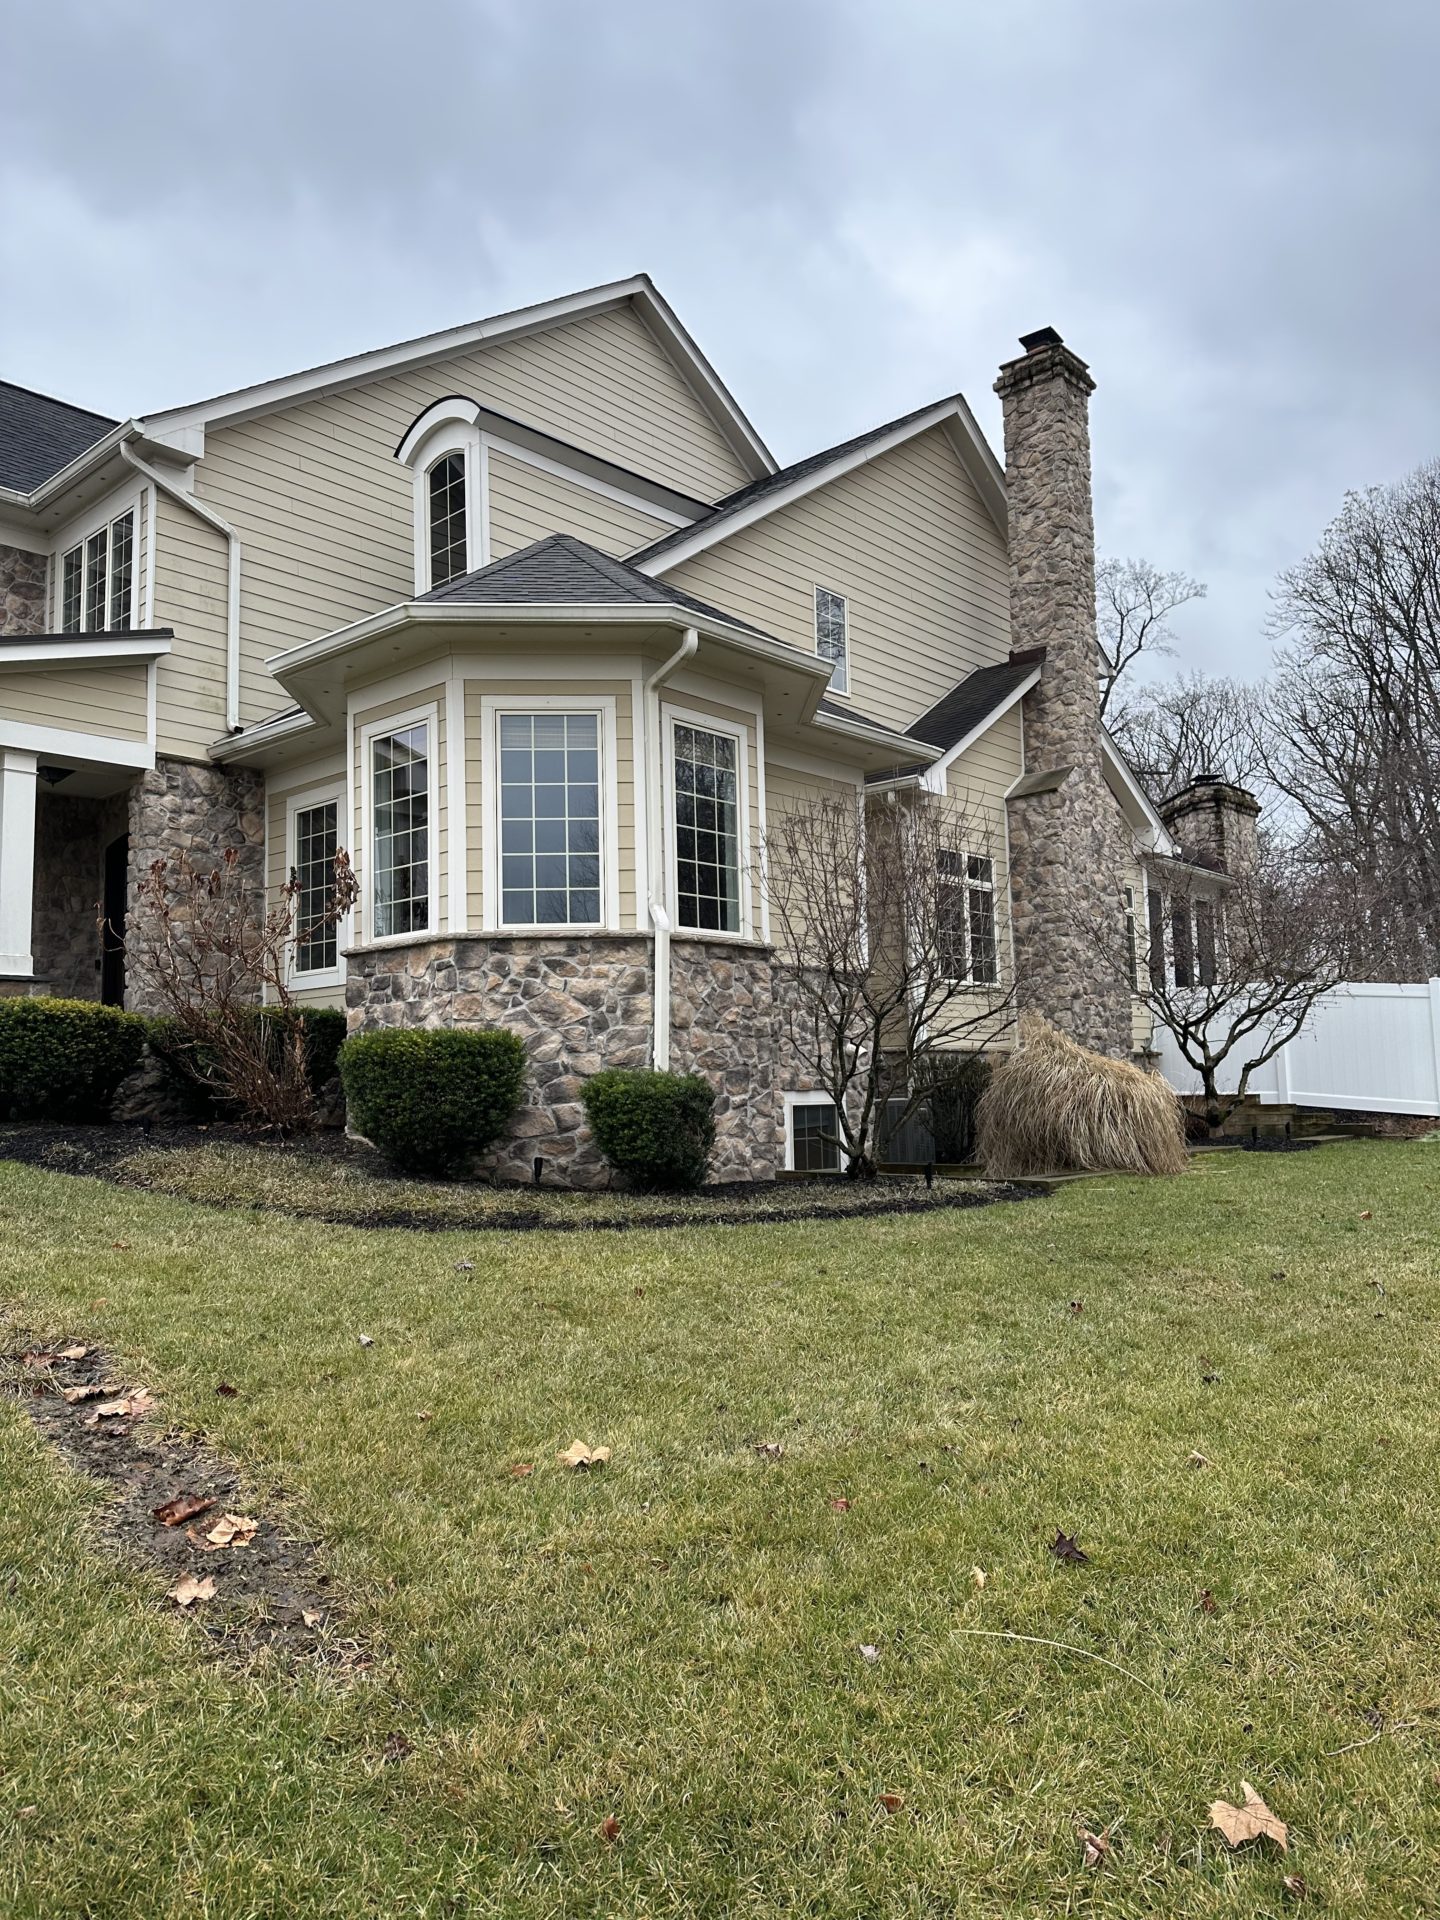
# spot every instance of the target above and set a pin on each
(455, 435)
(492, 705)
(707, 723)
(839, 681)
(964, 883)
(814, 1098)
(330, 794)
(101, 518)
(373, 730)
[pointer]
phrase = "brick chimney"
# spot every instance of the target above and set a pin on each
(1214, 823)
(1068, 857)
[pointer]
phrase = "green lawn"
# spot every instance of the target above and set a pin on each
(674, 1641)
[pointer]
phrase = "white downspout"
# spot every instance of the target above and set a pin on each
(654, 840)
(232, 600)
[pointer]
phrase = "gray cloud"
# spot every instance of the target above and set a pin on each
(1228, 208)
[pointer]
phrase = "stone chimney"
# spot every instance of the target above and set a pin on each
(1214, 823)
(1068, 857)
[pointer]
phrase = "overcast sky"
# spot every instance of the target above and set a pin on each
(1228, 207)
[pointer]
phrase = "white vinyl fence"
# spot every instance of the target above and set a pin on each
(1366, 1048)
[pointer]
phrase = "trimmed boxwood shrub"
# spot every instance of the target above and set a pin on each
(432, 1099)
(189, 1069)
(63, 1059)
(655, 1128)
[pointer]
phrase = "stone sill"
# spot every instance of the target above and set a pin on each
(597, 936)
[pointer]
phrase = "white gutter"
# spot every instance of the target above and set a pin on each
(655, 878)
(232, 599)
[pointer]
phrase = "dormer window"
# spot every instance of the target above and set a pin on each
(446, 502)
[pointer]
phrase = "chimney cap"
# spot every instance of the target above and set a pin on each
(1042, 337)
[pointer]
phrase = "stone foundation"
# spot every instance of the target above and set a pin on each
(582, 1004)
(22, 591)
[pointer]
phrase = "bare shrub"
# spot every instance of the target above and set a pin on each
(1054, 1106)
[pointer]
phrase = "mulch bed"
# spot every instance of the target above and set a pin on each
(269, 1593)
(100, 1151)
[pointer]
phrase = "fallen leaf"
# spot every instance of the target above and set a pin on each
(397, 1747)
(232, 1530)
(1096, 1845)
(185, 1506)
(73, 1353)
(1367, 1214)
(891, 1802)
(577, 1456)
(1067, 1548)
(521, 1470)
(39, 1358)
(1253, 1821)
(464, 1266)
(869, 1654)
(141, 1401)
(1196, 1460)
(609, 1828)
(310, 1618)
(73, 1395)
(1077, 1306)
(1294, 1885)
(366, 1341)
(841, 1505)
(120, 1246)
(189, 1590)
(424, 1416)
(111, 1410)
(770, 1449)
(1207, 1602)
(977, 1574)
(226, 1391)
(1278, 1274)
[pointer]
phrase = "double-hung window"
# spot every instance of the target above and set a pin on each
(832, 640)
(706, 774)
(314, 843)
(966, 917)
(550, 819)
(97, 579)
(400, 850)
(1132, 939)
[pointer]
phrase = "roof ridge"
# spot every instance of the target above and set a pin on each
(54, 400)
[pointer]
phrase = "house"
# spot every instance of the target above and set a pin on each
(526, 616)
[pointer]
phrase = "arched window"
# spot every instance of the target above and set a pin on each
(445, 485)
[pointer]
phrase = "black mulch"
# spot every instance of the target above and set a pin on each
(99, 1151)
(270, 1593)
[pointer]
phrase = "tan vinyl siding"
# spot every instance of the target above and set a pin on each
(325, 510)
(364, 717)
(787, 790)
(976, 785)
(679, 700)
(320, 779)
(191, 585)
(526, 504)
(82, 699)
(911, 546)
(477, 780)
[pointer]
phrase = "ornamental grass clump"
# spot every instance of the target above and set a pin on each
(1054, 1106)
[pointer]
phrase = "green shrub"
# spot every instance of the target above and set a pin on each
(432, 1100)
(655, 1128)
(192, 1070)
(63, 1059)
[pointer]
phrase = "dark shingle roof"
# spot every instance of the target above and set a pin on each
(563, 571)
(757, 489)
(970, 700)
(39, 436)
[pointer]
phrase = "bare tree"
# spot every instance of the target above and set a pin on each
(206, 949)
(1174, 730)
(889, 942)
(1231, 965)
(1133, 604)
(1354, 735)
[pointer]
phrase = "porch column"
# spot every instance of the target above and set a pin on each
(17, 860)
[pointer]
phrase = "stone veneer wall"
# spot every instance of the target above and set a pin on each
(22, 591)
(1067, 847)
(71, 835)
(584, 1003)
(200, 810)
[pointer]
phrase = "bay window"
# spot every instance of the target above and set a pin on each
(550, 819)
(705, 793)
(314, 841)
(97, 579)
(401, 861)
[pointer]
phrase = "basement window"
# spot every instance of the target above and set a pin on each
(97, 580)
(832, 638)
(811, 1136)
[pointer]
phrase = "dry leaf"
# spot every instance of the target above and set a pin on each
(366, 1341)
(577, 1456)
(520, 1470)
(73, 1395)
(1207, 1602)
(1067, 1548)
(111, 1409)
(189, 1590)
(232, 1530)
(609, 1828)
(891, 1802)
(311, 1619)
(1294, 1885)
(770, 1449)
(841, 1505)
(1197, 1460)
(1367, 1214)
(122, 1246)
(1096, 1845)
(226, 1391)
(869, 1654)
(1077, 1306)
(977, 1574)
(39, 1357)
(185, 1506)
(141, 1401)
(73, 1353)
(397, 1747)
(464, 1266)
(1253, 1821)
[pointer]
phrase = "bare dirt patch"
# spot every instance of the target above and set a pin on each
(178, 1507)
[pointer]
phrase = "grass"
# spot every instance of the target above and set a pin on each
(674, 1641)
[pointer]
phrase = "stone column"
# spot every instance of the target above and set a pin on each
(1066, 831)
(22, 591)
(17, 862)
